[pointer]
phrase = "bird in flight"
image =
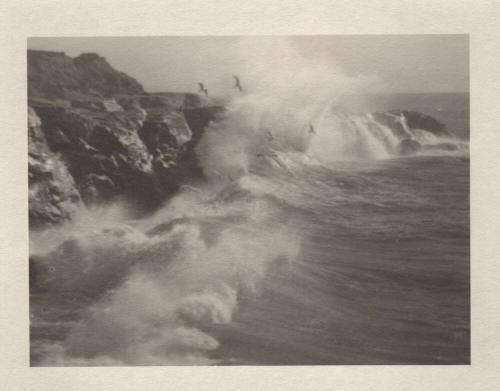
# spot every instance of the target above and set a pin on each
(311, 129)
(237, 85)
(270, 136)
(203, 89)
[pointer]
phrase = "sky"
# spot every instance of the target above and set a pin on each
(374, 63)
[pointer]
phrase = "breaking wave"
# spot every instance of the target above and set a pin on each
(108, 290)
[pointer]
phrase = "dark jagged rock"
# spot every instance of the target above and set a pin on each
(199, 118)
(51, 74)
(53, 196)
(414, 120)
(95, 135)
(408, 146)
(97, 188)
(97, 75)
(55, 75)
(421, 121)
(99, 136)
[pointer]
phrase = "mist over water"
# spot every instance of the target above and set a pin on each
(301, 247)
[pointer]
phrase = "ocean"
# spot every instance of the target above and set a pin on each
(299, 248)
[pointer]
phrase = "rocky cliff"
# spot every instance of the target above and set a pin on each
(95, 135)
(55, 75)
(52, 191)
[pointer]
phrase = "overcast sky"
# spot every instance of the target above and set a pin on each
(392, 63)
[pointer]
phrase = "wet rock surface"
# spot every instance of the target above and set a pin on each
(95, 135)
(401, 120)
(408, 146)
(53, 196)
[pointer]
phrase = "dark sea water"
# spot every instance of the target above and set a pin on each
(330, 250)
(382, 276)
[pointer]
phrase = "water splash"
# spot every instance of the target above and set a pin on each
(147, 292)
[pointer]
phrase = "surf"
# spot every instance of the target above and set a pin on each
(276, 212)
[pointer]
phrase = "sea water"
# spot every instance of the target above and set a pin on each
(298, 248)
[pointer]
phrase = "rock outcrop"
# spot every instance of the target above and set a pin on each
(397, 120)
(408, 146)
(95, 135)
(53, 195)
(56, 76)
(405, 124)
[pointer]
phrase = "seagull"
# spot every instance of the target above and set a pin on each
(87, 146)
(237, 85)
(270, 136)
(203, 89)
(311, 129)
(269, 154)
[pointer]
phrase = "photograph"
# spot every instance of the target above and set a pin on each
(248, 200)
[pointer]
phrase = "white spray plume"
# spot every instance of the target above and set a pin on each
(283, 95)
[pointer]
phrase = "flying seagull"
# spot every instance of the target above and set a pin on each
(87, 146)
(269, 154)
(237, 85)
(270, 136)
(311, 129)
(203, 89)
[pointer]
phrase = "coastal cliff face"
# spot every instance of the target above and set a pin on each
(53, 195)
(94, 135)
(55, 75)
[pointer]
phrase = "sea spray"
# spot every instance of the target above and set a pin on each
(153, 293)
(109, 290)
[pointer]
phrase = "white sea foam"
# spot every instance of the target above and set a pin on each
(157, 285)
